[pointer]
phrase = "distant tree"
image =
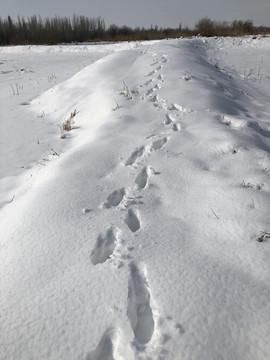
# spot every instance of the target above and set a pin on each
(248, 27)
(205, 27)
(242, 27)
(113, 31)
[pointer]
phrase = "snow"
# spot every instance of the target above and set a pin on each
(134, 235)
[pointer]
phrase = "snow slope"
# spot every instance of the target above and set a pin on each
(134, 237)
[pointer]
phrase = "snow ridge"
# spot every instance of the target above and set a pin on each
(136, 238)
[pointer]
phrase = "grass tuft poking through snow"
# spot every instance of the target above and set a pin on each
(67, 124)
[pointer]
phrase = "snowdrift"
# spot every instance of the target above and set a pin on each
(134, 235)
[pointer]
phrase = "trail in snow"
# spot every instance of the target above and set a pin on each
(139, 241)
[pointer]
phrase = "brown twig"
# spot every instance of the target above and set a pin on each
(54, 152)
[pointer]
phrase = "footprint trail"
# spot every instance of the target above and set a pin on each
(139, 310)
(157, 144)
(115, 198)
(135, 155)
(132, 221)
(104, 247)
(142, 177)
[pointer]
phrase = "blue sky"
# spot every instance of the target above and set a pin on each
(165, 13)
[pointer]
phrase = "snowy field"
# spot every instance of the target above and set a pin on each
(134, 235)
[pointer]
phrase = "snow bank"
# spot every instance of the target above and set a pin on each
(136, 237)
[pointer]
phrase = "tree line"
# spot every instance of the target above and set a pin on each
(54, 30)
(35, 30)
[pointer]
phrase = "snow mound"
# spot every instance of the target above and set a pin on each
(132, 233)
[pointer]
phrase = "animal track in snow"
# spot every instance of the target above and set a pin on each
(164, 59)
(159, 102)
(169, 119)
(105, 348)
(6, 72)
(104, 247)
(151, 72)
(114, 198)
(111, 346)
(150, 92)
(169, 332)
(142, 177)
(179, 108)
(139, 310)
(237, 122)
(153, 89)
(135, 155)
(148, 82)
(155, 98)
(232, 121)
(176, 126)
(157, 144)
(132, 221)
(154, 71)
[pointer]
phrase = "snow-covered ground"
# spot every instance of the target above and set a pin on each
(134, 235)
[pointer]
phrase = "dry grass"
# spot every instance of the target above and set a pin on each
(66, 126)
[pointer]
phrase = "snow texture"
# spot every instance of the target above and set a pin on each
(142, 233)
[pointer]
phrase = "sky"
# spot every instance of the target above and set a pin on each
(163, 13)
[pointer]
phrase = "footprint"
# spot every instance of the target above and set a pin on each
(176, 126)
(158, 102)
(105, 347)
(232, 121)
(155, 98)
(139, 310)
(86, 210)
(164, 59)
(151, 72)
(112, 346)
(150, 92)
(132, 221)
(104, 247)
(169, 334)
(6, 72)
(179, 108)
(114, 198)
(157, 144)
(169, 119)
(142, 177)
(148, 82)
(135, 155)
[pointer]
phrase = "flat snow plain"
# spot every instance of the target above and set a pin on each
(135, 235)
